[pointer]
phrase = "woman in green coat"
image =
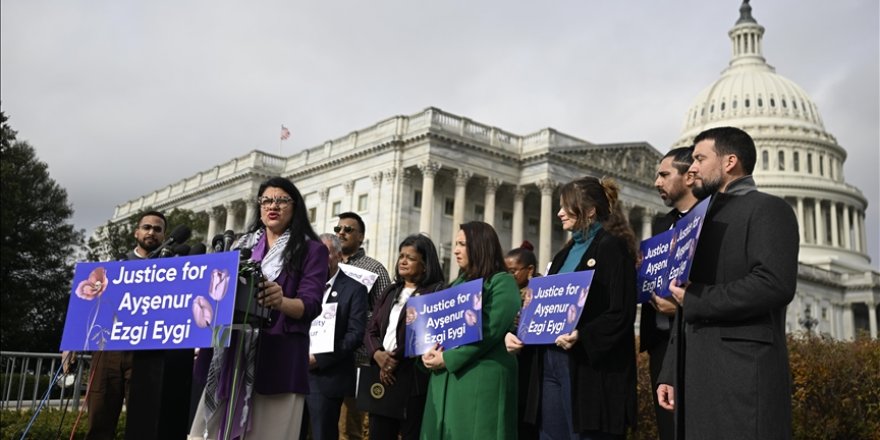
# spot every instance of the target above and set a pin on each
(472, 391)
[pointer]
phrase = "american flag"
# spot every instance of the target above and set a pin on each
(285, 133)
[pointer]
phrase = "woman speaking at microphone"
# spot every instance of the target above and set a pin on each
(472, 391)
(584, 386)
(263, 396)
(418, 272)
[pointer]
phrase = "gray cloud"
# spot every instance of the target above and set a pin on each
(122, 98)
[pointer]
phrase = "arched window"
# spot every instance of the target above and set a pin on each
(765, 160)
(796, 161)
(781, 160)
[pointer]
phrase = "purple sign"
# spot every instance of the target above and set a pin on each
(450, 317)
(183, 302)
(669, 255)
(552, 306)
(652, 276)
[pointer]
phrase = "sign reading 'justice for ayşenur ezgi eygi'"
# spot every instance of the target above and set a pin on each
(552, 306)
(450, 317)
(669, 255)
(183, 302)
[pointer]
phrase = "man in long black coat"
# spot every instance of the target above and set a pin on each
(674, 184)
(735, 367)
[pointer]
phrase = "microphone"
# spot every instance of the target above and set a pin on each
(228, 239)
(181, 249)
(179, 235)
(198, 249)
(245, 254)
(217, 243)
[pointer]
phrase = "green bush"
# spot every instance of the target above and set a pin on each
(46, 426)
(835, 390)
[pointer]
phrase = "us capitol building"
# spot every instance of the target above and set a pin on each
(433, 170)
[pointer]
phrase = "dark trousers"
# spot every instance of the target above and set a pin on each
(323, 415)
(382, 428)
(665, 419)
(111, 373)
(161, 383)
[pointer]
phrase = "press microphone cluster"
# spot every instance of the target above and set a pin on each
(178, 236)
(223, 242)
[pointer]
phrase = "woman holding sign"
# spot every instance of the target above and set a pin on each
(256, 388)
(584, 386)
(393, 389)
(472, 391)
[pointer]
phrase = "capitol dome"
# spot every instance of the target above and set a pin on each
(797, 159)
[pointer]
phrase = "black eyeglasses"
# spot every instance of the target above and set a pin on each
(146, 227)
(345, 228)
(266, 202)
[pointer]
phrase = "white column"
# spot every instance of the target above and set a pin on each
(847, 240)
(545, 246)
(429, 169)
(872, 319)
(230, 215)
(461, 180)
(492, 185)
(800, 218)
(212, 225)
(849, 325)
(862, 232)
(390, 182)
(348, 203)
(835, 232)
(857, 226)
(249, 215)
(321, 217)
(820, 226)
(647, 216)
(376, 178)
(516, 228)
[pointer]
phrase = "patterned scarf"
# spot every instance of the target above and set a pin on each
(272, 263)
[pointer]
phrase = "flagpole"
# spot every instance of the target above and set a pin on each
(280, 140)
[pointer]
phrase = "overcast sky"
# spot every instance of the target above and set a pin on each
(121, 98)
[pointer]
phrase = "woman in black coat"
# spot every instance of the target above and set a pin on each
(394, 389)
(584, 386)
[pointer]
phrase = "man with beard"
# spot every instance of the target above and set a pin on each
(112, 369)
(351, 230)
(674, 184)
(733, 379)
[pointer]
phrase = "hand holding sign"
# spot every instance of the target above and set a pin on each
(433, 359)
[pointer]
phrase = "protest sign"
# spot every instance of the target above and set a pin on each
(552, 306)
(362, 276)
(322, 333)
(168, 303)
(652, 276)
(669, 255)
(450, 317)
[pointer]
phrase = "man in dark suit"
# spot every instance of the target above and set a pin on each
(332, 376)
(674, 184)
(735, 367)
(112, 369)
